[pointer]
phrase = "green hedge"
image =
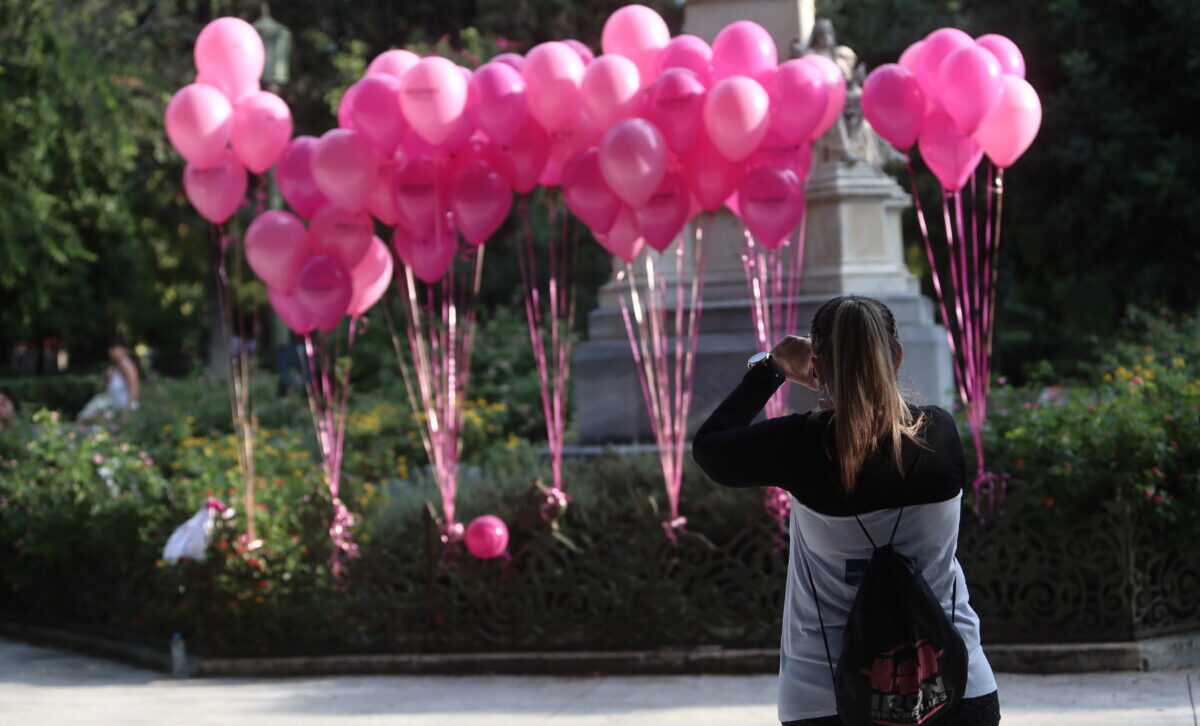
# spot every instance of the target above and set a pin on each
(57, 392)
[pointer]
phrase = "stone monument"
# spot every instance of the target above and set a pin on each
(854, 245)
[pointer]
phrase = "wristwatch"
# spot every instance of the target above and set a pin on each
(758, 359)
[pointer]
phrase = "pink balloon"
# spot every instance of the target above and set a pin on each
(230, 52)
(343, 234)
(582, 134)
(586, 193)
(624, 239)
(216, 191)
(950, 154)
(345, 113)
(276, 245)
(343, 165)
(199, 121)
(481, 201)
(711, 175)
(633, 159)
(295, 177)
(228, 89)
(553, 73)
(476, 149)
(771, 202)
(737, 114)
(288, 309)
(515, 60)
(376, 111)
(262, 127)
(487, 537)
(610, 88)
(382, 202)
(662, 217)
(799, 98)
(1012, 127)
(676, 107)
(908, 58)
(585, 53)
(835, 85)
(370, 278)
(783, 154)
(690, 52)
(421, 194)
(743, 48)
(499, 90)
(430, 255)
(639, 34)
(323, 290)
(1011, 60)
(433, 97)
(969, 86)
(394, 63)
(414, 145)
(937, 45)
(525, 156)
(894, 105)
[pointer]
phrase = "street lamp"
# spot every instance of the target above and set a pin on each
(277, 41)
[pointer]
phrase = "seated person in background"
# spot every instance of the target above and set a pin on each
(8, 410)
(121, 386)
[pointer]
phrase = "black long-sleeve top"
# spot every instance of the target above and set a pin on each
(796, 453)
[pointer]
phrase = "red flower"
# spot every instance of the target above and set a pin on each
(1173, 444)
(1091, 409)
(1156, 471)
(1149, 493)
(1158, 499)
(1048, 501)
(1018, 463)
(1137, 380)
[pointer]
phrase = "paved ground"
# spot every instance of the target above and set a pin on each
(46, 687)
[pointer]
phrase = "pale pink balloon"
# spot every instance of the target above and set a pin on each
(276, 245)
(499, 91)
(370, 278)
(394, 63)
(229, 89)
(690, 52)
(382, 202)
(420, 193)
(323, 289)
(433, 97)
(676, 107)
(710, 174)
(229, 51)
(1013, 125)
(624, 239)
(1011, 60)
(938, 44)
(835, 85)
(799, 98)
(553, 74)
(429, 255)
(199, 122)
(345, 113)
(295, 177)
(413, 145)
(662, 217)
(525, 156)
(585, 53)
(950, 154)
(586, 193)
(289, 311)
(262, 127)
(639, 34)
(216, 191)
(376, 111)
(341, 233)
(343, 165)
(737, 114)
(633, 159)
(783, 154)
(743, 48)
(583, 133)
(969, 86)
(771, 203)
(487, 537)
(481, 201)
(467, 124)
(515, 60)
(610, 88)
(894, 105)
(908, 58)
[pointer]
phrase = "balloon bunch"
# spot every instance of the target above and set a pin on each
(959, 98)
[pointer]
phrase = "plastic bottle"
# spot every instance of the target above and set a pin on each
(179, 657)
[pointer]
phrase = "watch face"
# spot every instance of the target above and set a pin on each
(757, 358)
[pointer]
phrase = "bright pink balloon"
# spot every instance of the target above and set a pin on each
(969, 86)
(433, 97)
(216, 191)
(676, 107)
(499, 92)
(835, 85)
(662, 217)
(467, 124)
(711, 175)
(228, 89)
(737, 114)
(639, 34)
(553, 73)
(610, 88)
(230, 52)
(413, 145)
(937, 45)
(421, 194)
(1011, 60)
(525, 156)
(893, 103)
(343, 165)
(585, 53)
(487, 537)
(1012, 127)
(343, 234)
(295, 177)
(908, 58)
(394, 63)
(582, 134)
(199, 121)
(262, 127)
(481, 201)
(516, 60)
(370, 278)
(345, 113)
(430, 255)
(624, 239)
(783, 154)
(288, 309)
(799, 98)
(771, 202)
(743, 48)
(376, 111)
(690, 52)
(950, 154)
(382, 202)
(276, 245)
(477, 148)
(586, 193)
(323, 289)
(633, 159)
